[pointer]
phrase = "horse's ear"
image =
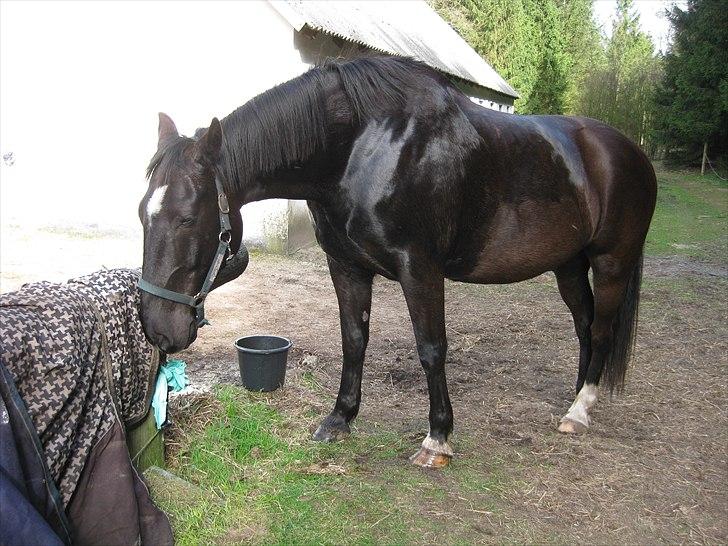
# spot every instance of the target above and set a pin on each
(209, 145)
(167, 128)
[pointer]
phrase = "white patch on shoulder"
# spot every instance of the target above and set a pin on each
(154, 205)
(585, 400)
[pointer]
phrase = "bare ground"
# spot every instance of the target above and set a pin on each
(653, 468)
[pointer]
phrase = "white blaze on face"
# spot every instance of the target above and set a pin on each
(585, 400)
(154, 205)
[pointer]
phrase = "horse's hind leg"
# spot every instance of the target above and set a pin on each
(354, 293)
(425, 297)
(616, 294)
(573, 281)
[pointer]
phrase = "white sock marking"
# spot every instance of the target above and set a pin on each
(154, 205)
(585, 400)
(438, 447)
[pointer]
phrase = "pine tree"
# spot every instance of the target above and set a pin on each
(548, 93)
(582, 47)
(507, 36)
(691, 104)
(620, 91)
(552, 53)
(543, 48)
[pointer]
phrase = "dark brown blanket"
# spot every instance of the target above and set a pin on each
(83, 369)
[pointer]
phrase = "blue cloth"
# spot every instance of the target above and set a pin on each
(159, 400)
(22, 524)
(31, 511)
(171, 375)
(174, 371)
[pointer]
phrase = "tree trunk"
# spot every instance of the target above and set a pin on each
(705, 155)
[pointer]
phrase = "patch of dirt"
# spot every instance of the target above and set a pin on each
(244, 535)
(671, 266)
(652, 468)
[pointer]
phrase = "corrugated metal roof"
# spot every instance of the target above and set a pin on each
(399, 27)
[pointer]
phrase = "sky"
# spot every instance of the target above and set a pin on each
(79, 100)
(652, 18)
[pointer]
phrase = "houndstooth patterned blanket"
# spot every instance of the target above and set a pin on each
(80, 361)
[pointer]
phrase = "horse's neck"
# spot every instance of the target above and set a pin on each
(286, 183)
(266, 162)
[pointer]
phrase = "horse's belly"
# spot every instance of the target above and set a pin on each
(521, 242)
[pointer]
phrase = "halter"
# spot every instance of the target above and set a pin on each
(197, 302)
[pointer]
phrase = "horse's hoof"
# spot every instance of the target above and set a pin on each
(426, 458)
(568, 426)
(326, 433)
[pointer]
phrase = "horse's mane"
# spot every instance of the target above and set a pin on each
(376, 86)
(168, 153)
(288, 123)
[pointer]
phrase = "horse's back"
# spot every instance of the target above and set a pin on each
(544, 188)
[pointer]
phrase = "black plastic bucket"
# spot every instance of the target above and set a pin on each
(262, 361)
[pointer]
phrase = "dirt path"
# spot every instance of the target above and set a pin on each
(653, 468)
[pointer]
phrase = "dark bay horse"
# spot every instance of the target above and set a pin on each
(406, 178)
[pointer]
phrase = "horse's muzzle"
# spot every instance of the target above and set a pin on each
(232, 268)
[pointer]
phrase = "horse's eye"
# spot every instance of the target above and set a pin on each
(187, 222)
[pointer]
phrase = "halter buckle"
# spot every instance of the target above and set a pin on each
(198, 304)
(222, 203)
(198, 300)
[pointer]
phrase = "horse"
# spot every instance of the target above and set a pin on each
(406, 178)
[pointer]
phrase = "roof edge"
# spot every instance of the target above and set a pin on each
(395, 54)
(298, 22)
(292, 17)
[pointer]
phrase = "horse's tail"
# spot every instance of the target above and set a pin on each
(624, 332)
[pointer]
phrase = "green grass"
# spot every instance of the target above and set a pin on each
(259, 472)
(691, 216)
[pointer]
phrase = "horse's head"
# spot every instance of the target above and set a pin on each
(183, 216)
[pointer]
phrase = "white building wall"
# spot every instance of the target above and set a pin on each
(82, 82)
(493, 105)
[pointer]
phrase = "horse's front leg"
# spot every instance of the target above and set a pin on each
(425, 297)
(354, 292)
